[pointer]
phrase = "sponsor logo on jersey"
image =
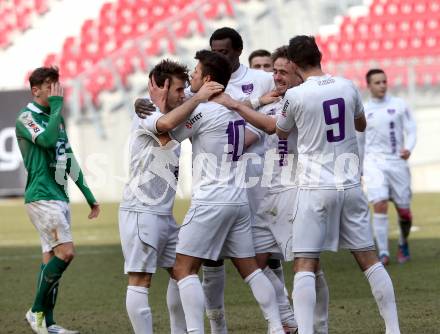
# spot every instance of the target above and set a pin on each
(284, 111)
(247, 89)
(34, 127)
(326, 81)
(391, 111)
(190, 122)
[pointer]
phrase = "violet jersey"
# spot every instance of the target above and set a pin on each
(323, 108)
(390, 127)
(281, 156)
(153, 169)
(217, 143)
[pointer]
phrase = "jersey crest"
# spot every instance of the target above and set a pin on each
(248, 88)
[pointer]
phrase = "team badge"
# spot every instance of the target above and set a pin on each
(247, 89)
(391, 111)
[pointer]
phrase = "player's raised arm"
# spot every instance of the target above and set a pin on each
(257, 119)
(175, 117)
(49, 137)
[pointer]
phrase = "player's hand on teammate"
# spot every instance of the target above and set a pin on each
(56, 89)
(404, 154)
(225, 100)
(209, 90)
(143, 107)
(270, 97)
(95, 210)
(158, 94)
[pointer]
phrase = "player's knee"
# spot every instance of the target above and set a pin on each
(404, 214)
(68, 255)
(381, 207)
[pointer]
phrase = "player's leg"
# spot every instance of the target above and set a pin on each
(52, 221)
(284, 307)
(167, 260)
(315, 228)
(405, 223)
(175, 307)
(377, 179)
(141, 243)
(137, 303)
(305, 266)
(356, 235)
(380, 227)
(381, 287)
(191, 292)
(214, 290)
(400, 184)
(322, 300)
(262, 290)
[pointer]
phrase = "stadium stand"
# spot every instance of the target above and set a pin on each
(127, 33)
(16, 17)
(394, 32)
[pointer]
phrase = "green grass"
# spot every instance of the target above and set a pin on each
(92, 294)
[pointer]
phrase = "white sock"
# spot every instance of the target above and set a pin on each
(280, 273)
(138, 309)
(193, 301)
(304, 300)
(380, 227)
(265, 295)
(214, 288)
(175, 309)
(285, 309)
(321, 308)
(383, 292)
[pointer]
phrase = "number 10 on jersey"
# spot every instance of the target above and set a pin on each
(235, 133)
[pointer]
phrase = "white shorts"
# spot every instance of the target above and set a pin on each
(52, 221)
(148, 241)
(272, 231)
(388, 180)
(331, 219)
(216, 231)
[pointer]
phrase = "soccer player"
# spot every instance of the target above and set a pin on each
(147, 227)
(217, 224)
(261, 60)
(390, 137)
(273, 223)
(48, 157)
(255, 88)
(330, 209)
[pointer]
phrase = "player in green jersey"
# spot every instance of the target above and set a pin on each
(48, 159)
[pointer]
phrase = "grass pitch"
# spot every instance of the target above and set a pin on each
(92, 293)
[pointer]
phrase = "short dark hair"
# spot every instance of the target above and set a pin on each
(372, 72)
(41, 74)
(258, 53)
(280, 52)
(226, 32)
(216, 65)
(167, 69)
(304, 52)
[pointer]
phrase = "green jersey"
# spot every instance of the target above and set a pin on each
(47, 155)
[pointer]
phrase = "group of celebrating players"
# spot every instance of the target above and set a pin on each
(276, 177)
